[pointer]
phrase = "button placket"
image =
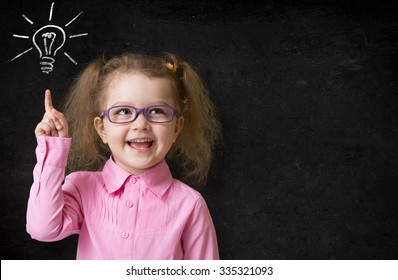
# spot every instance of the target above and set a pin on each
(133, 180)
(129, 204)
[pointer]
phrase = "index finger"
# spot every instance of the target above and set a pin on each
(48, 103)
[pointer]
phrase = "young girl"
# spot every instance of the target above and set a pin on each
(125, 116)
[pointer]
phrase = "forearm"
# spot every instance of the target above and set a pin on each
(45, 212)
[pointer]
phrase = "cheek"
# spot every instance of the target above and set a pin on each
(114, 135)
(166, 135)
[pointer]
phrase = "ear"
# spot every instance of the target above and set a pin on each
(178, 128)
(99, 127)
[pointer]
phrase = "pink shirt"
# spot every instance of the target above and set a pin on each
(117, 215)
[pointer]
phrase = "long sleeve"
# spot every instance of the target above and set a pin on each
(199, 237)
(52, 214)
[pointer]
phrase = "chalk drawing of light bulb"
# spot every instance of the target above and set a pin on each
(48, 40)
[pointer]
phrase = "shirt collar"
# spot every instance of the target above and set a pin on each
(158, 179)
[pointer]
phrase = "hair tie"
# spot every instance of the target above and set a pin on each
(171, 67)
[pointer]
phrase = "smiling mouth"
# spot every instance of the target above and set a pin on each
(140, 144)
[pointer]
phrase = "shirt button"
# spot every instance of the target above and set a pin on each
(129, 203)
(125, 235)
(133, 180)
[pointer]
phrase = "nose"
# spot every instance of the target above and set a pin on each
(140, 123)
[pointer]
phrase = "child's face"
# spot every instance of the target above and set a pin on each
(137, 90)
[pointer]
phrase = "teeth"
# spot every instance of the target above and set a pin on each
(140, 141)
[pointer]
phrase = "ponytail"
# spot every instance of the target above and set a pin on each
(81, 107)
(196, 143)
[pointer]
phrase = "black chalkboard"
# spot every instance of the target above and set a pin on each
(307, 93)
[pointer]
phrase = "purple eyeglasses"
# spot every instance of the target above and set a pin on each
(155, 114)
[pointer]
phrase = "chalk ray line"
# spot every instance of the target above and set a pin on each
(20, 36)
(51, 12)
(74, 19)
(22, 53)
(78, 35)
(70, 58)
(27, 19)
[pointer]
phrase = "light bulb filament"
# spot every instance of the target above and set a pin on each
(48, 38)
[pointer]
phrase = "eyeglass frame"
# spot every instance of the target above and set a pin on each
(138, 111)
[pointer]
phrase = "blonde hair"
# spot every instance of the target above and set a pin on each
(194, 148)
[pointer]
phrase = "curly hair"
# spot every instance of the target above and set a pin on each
(194, 148)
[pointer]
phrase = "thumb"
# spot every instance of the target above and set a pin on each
(61, 123)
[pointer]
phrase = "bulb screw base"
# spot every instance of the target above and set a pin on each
(47, 64)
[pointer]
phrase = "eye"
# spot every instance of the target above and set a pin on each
(122, 111)
(156, 111)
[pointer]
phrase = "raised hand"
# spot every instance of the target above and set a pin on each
(54, 122)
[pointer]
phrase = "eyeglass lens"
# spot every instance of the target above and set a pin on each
(157, 114)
